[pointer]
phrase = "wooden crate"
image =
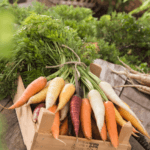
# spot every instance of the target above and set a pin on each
(80, 3)
(38, 137)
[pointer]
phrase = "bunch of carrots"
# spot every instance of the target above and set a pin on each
(99, 109)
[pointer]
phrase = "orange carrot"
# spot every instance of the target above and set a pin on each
(86, 118)
(64, 127)
(111, 123)
(34, 87)
(103, 132)
(56, 123)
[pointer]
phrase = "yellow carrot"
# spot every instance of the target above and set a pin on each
(54, 90)
(65, 95)
(126, 115)
(39, 97)
(120, 120)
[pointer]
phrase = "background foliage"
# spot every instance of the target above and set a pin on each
(116, 34)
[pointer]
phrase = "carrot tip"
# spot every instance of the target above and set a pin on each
(61, 141)
(34, 121)
(134, 134)
(4, 107)
(55, 111)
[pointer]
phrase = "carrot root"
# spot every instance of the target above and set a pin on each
(134, 134)
(3, 107)
(61, 141)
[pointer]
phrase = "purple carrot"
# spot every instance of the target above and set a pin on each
(75, 106)
(37, 111)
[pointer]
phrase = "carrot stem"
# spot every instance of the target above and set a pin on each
(95, 85)
(94, 77)
(57, 73)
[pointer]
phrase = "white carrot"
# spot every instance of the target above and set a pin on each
(97, 107)
(64, 111)
(142, 78)
(142, 88)
(112, 96)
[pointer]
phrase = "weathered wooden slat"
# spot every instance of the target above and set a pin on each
(83, 143)
(112, 78)
(125, 133)
(95, 69)
(11, 137)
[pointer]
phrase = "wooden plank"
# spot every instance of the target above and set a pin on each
(45, 121)
(112, 78)
(10, 134)
(95, 69)
(125, 133)
(24, 115)
(46, 141)
(84, 144)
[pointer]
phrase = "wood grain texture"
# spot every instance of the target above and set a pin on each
(112, 78)
(11, 136)
(45, 121)
(95, 69)
(125, 133)
(84, 144)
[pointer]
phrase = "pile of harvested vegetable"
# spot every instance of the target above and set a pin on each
(53, 60)
(99, 107)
